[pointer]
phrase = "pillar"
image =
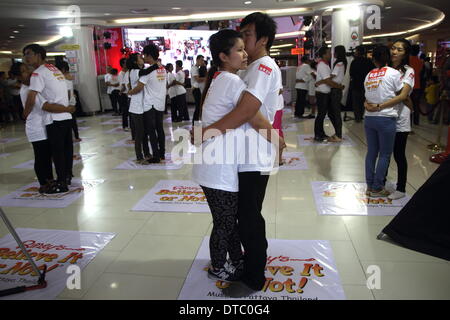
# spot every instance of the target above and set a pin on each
(86, 75)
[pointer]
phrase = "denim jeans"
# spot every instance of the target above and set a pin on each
(380, 135)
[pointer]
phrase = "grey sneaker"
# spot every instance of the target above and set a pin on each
(227, 273)
(383, 193)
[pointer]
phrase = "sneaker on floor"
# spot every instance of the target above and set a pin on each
(57, 188)
(142, 162)
(154, 160)
(334, 139)
(126, 129)
(397, 195)
(383, 193)
(221, 274)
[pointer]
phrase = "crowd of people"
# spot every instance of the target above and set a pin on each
(241, 91)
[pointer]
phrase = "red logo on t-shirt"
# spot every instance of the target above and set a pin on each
(34, 74)
(216, 74)
(265, 69)
(51, 68)
(377, 73)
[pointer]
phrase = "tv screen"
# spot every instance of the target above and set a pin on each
(174, 45)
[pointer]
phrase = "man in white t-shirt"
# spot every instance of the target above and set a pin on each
(172, 92)
(113, 88)
(302, 78)
(197, 83)
(263, 81)
(155, 90)
(51, 84)
(123, 98)
(180, 77)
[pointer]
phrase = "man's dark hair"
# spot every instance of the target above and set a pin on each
(382, 55)
(179, 63)
(322, 51)
(304, 59)
(123, 62)
(114, 71)
(37, 49)
(361, 50)
(63, 66)
(265, 26)
(200, 57)
(151, 50)
(415, 49)
(15, 68)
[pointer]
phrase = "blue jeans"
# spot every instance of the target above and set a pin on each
(380, 135)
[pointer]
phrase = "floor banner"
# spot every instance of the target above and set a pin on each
(174, 196)
(294, 161)
(296, 270)
(350, 199)
(8, 140)
(77, 159)
(127, 142)
(112, 121)
(29, 196)
(305, 140)
(63, 252)
(167, 164)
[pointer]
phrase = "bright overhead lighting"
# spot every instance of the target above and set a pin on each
(16, 31)
(342, 6)
(275, 54)
(53, 39)
(367, 42)
(53, 54)
(283, 46)
(107, 14)
(425, 26)
(353, 12)
(12, 37)
(208, 16)
(176, 8)
(66, 32)
(5, 52)
(247, 2)
(289, 34)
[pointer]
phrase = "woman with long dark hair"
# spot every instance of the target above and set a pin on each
(338, 73)
(381, 86)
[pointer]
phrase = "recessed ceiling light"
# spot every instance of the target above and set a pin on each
(107, 14)
(21, 25)
(176, 8)
(247, 2)
(12, 37)
(16, 31)
(387, 8)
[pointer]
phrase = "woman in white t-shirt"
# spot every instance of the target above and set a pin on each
(218, 180)
(35, 127)
(338, 74)
(399, 59)
(113, 89)
(381, 87)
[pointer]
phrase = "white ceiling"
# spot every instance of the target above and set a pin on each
(40, 18)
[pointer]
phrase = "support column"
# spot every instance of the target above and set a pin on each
(86, 74)
(347, 29)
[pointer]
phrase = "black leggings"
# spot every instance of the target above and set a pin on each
(197, 98)
(224, 236)
(300, 104)
(140, 138)
(334, 111)
(60, 138)
(154, 129)
(400, 158)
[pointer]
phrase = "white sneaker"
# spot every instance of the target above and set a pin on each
(396, 195)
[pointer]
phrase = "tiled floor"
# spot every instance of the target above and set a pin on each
(152, 252)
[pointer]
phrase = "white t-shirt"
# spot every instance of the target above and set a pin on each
(51, 84)
(194, 73)
(180, 77)
(323, 72)
(222, 97)
(112, 80)
(155, 89)
(171, 91)
(137, 100)
(382, 85)
(404, 113)
(303, 73)
(339, 72)
(263, 80)
(37, 119)
(122, 77)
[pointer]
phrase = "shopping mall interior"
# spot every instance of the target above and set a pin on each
(142, 229)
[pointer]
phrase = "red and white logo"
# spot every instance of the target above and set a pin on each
(265, 69)
(377, 73)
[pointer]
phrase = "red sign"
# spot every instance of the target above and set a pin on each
(297, 51)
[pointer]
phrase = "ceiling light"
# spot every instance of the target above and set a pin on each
(12, 37)
(16, 31)
(289, 34)
(247, 2)
(286, 11)
(53, 39)
(283, 46)
(21, 25)
(53, 54)
(353, 12)
(176, 8)
(107, 14)
(66, 32)
(5, 52)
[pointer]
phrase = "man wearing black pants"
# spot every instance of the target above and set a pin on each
(323, 105)
(303, 76)
(197, 83)
(154, 122)
(252, 226)
(51, 84)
